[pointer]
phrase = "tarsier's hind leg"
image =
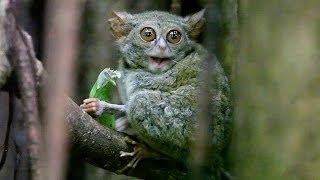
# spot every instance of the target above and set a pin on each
(140, 151)
(136, 154)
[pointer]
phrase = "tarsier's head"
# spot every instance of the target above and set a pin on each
(155, 40)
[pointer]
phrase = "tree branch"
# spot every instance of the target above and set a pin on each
(100, 146)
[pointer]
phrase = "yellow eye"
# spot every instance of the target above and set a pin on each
(147, 34)
(174, 36)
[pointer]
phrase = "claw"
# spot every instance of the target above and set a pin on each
(128, 140)
(132, 164)
(124, 154)
(136, 162)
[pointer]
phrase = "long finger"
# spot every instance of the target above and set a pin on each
(89, 100)
(90, 105)
(91, 109)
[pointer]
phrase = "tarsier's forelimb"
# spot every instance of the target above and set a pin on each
(95, 107)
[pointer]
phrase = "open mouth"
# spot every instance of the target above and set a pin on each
(159, 63)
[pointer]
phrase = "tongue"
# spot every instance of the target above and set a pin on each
(158, 63)
(158, 60)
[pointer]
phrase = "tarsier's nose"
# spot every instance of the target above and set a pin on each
(162, 44)
(160, 49)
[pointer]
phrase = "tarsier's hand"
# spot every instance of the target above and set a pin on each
(92, 106)
(95, 107)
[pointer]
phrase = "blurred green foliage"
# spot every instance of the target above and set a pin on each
(277, 91)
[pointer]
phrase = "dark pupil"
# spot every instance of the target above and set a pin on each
(148, 32)
(174, 34)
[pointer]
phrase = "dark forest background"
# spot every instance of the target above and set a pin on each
(269, 50)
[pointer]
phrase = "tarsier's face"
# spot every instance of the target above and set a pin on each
(162, 44)
(154, 40)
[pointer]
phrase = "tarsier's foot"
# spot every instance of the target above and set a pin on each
(140, 151)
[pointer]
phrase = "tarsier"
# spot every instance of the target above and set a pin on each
(160, 65)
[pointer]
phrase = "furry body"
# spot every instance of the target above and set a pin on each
(161, 67)
(161, 107)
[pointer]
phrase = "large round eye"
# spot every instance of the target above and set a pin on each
(174, 36)
(147, 34)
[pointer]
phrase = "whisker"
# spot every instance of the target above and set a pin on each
(179, 63)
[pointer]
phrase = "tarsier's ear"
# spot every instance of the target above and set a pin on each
(119, 24)
(195, 23)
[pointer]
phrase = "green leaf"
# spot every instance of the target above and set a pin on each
(93, 90)
(106, 76)
(101, 93)
(101, 90)
(107, 120)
